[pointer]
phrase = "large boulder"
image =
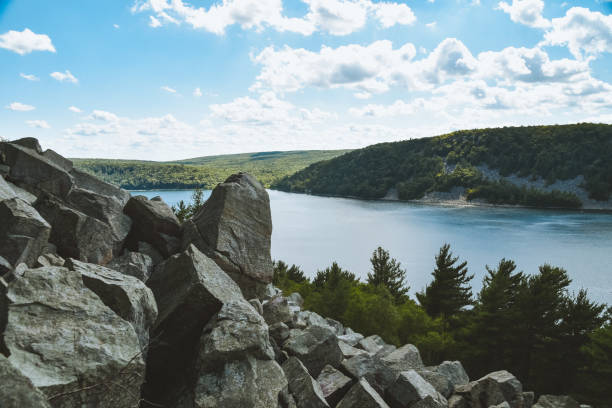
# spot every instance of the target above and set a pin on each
(556, 401)
(334, 384)
(372, 344)
(411, 390)
(71, 346)
(454, 372)
(315, 346)
(492, 389)
(404, 358)
(350, 337)
(276, 310)
(373, 369)
(190, 289)
(439, 381)
(350, 351)
(125, 295)
(134, 264)
(305, 390)
(234, 228)
(17, 391)
(24, 233)
(153, 222)
(362, 395)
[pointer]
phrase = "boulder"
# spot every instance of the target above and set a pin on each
(529, 399)
(336, 325)
(276, 310)
(256, 303)
(295, 299)
(372, 344)
(234, 228)
(404, 358)
(373, 369)
(50, 259)
(150, 251)
(454, 371)
(334, 384)
(305, 390)
(350, 337)
(24, 233)
(133, 264)
(439, 381)
(30, 143)
(17, 391)
(411, 390)
(350, 351)
(55, 341)
(279, 332)
(315, 346)
(125, 295)
(190, 289)
(311, 319)
(25, 195)
(492, 389)
(153, 222)
(556, 401)
(88, 182)
(6, 190)
(362, 395)
(5, 267)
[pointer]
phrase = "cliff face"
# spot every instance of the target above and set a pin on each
(106, 300)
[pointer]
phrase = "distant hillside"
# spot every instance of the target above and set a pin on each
(202, 172)
(541, 166)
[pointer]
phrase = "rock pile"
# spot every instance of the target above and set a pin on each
(106, 300)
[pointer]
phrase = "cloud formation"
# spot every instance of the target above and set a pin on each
(527, 12)
(20, 107)
(29, 77)
(39, 124)
(64, 77)
(26, 41)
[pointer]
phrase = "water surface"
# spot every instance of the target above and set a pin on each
(314, 231)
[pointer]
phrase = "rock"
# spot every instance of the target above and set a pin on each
(315, 346)
(295, 299)
(50, 259)
(438, 380)
(334, 384)
(313, 319)
(336, 325)
(492, 389)
(404, 358)
(5, 267)
(153, 222)
(86, 181)
(55, 341)
(556, 401)
(245, 383)
(30, 143)
(58, 160)
(386, 350)
(4, 170)
(457, 401)
(234, 228)
(125, 295)
(453, 370)
(279, 332)
(411, 390)
(276, 310)
(149, 250)
(372, 344)
(17, 391)
(133, 264)
(350, 337)
(362, 395)
(373, 369)
(24, 232)
(25, 195)
(350, 351)
(6, 190)
(305, 390)
(189, 289)
(257, 305)
(286, 399)
(529, 399)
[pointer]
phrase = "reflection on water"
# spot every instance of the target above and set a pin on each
(314, 231)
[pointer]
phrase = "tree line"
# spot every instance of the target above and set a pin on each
(554, 341)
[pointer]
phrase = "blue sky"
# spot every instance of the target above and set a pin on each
(170, 79)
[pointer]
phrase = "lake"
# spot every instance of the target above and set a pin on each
(312, 232)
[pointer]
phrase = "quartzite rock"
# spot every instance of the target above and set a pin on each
(133, 264)
(276, 310)
(362, 395)
(439, 381)
(350, 351)
(55, 341)
(305, 390)
(373, 369)
(372, 344)
(279, 332)
(454, 371)
(17, 391)
(556, 401)
(492, 389)
(404, 358)
(411, 390)
(350, 337)
(315, 346)
(334, 384)
(234, 228)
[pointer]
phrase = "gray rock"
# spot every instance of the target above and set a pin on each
(336, 325)
(295, 299)
(25, 195)
(279, 332)
(439, 381)
(410, 389)
(362, 395)
(153, 222)
(315, 346)
(86, 181)
(305, 390)
(276, 310)
(386, 350)
(125, 295)
(6, 190)
(149, 250)
(57, 159)
(404, 358)
(373, 369)
(4, 170)
(17, 391)
(334, 384)
(350, 351)
(24, 232)
(492, 389)
(286, 399)
(55, 341)
(313, 319)
(234, 228)
(457, 401)
(133, 264)
(372, 344)
(556, 401)
(30, 143)
(453, 370)
(257, 305)
(529, 399)
(50, 259)
(350, 337)
(5, 267)
(502, 405)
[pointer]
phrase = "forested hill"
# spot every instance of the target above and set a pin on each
(202, 172)
(499, 166)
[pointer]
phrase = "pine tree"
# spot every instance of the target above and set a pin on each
(386, 271)
(449, 292)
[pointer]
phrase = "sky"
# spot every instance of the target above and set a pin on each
(173, 79)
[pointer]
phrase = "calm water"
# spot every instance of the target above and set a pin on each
(314, 231)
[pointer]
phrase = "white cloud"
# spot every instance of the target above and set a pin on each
(74, 109)
(20, 107)
(103, 116)
(26, 41)
(64, 77)
(40, 124)
(337, 17)
(431, 25)
(29, 77)
(527, 12)
(583, 31)
(197, 92)
(116, 26)
(168, 89)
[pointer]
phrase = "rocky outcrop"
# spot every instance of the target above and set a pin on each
(234, 228)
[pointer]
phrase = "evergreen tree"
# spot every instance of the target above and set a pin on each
(386, 271)
(449, 292)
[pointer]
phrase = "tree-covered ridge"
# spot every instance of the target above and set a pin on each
(202, 172)
(416, 167)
